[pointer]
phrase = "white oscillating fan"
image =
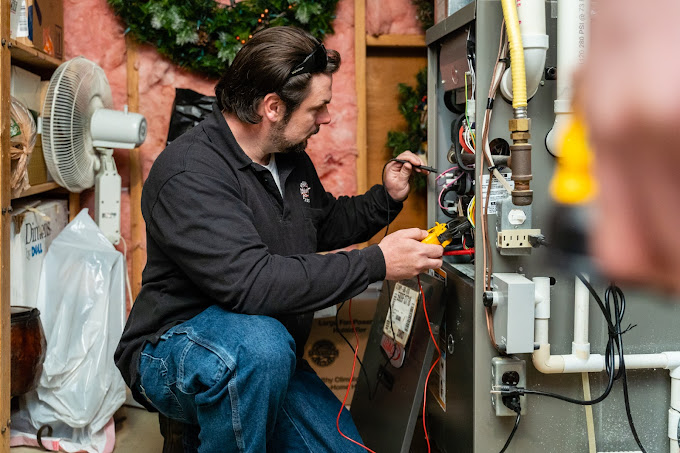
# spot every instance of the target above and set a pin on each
(79, 132)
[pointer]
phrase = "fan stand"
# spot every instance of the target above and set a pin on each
(107, 189)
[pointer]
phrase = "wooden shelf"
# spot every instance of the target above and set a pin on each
(395, 41)
(33, 59)
(38, 188)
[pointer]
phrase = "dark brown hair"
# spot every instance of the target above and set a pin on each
(263, 66)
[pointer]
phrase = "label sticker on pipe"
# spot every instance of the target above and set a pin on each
(400, 314)
(498, 192)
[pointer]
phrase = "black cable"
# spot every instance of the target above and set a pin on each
(394, 351)
(612, 345)
(387, 281)
(363, 370)
(614, 298)
(387, 197)
(512, 433)
(442, 197)
(618, 298)
(457, 147)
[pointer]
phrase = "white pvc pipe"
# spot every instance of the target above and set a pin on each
(675, 394)
(535, 42)
(581, 361)
(572, 34)
(673, 420)
(674, 446)
(573, 22)
(541, 331)
(580, 347)
(542, 290)
(542, 309)
(596, 362)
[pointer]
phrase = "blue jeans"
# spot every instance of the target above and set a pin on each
(232, 380)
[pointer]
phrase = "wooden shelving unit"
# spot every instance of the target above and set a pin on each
(13, 52)
(32, 59)
(38, 189)
(5, 215)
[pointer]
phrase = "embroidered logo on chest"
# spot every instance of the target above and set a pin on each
(304, 191)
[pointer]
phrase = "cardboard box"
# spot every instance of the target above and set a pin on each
(25, 87)
(18, 20)
(39, 23)
(44, 85)
(33, 227)
(329, 355)
(37, 169)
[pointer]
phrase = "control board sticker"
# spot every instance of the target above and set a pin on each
(401, 313)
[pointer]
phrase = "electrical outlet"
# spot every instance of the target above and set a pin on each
(513, 228)
(515, 239)
(507, 371)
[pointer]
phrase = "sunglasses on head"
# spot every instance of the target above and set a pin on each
(314, 62)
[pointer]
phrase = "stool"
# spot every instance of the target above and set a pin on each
(172, 432)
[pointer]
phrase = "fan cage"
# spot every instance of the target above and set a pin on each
(77, 89)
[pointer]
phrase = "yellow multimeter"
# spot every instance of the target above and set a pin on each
(434, 235)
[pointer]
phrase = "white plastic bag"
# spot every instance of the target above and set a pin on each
(82, 308)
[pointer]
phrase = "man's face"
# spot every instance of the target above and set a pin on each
(292, 135)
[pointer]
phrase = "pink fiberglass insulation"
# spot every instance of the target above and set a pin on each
(92, 30)
(394, 17)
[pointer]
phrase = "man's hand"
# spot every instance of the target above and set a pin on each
(633, 117)
(406, 257)
(397, 175)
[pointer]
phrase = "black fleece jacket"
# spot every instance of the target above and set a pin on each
(219, 232)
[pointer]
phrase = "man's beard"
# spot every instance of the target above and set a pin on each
(295, 148)
(282, 145)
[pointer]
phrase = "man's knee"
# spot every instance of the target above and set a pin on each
(272, 348)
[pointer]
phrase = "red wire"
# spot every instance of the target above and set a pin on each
(462, 141)
(436, 345)
(354, 364)
(470, 251)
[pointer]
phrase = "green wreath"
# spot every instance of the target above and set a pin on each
(413, 107)
(204, 36)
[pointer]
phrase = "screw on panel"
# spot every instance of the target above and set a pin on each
(450, 343)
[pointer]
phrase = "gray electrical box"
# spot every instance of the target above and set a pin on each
(513, 318)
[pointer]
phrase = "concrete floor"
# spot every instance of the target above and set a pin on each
(138, 432)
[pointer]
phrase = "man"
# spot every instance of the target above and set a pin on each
(235, 215)
(630, 97)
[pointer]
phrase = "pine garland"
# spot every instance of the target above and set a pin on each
(204, 36)
(425, 12)
(413, 107)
